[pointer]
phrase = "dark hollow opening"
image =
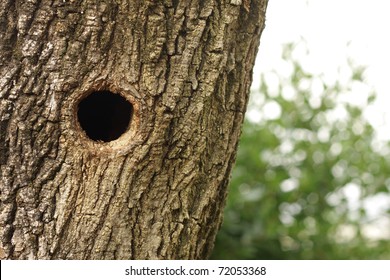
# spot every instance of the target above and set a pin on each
(104, 116)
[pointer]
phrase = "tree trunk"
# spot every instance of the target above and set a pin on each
(119, 124)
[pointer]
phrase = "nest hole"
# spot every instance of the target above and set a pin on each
(104, 115)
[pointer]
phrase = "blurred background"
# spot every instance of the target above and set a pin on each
(312, 178)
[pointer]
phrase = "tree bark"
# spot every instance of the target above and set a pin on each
(156, 192)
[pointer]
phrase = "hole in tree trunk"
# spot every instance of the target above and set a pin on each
(104, 116)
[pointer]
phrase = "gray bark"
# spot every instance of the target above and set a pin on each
(156, 192)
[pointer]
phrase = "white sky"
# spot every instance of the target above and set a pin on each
(334, 31)
(328, 27)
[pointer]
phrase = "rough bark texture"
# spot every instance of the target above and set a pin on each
(158, 191)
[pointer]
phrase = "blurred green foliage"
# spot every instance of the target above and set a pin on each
(311, 181)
